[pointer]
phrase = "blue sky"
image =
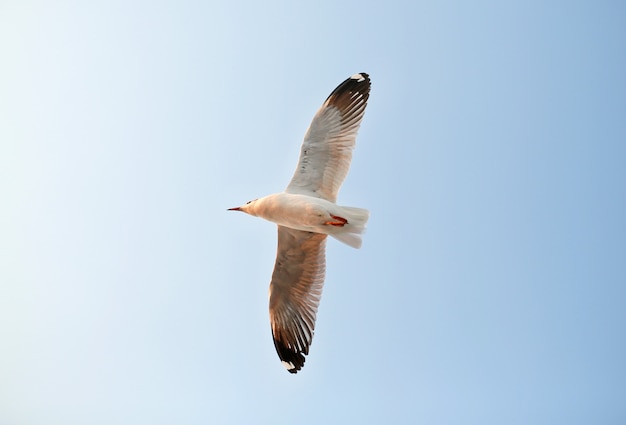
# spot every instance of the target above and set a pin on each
(491, 284)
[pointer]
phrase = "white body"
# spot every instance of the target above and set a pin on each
(310, 214)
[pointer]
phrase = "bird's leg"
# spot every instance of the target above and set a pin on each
(340, 221)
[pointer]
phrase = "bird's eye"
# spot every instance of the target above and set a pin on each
(248, 202)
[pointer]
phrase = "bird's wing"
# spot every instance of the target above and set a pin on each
(295, 293)
(327, 148)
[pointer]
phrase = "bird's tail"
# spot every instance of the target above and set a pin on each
(350, 234)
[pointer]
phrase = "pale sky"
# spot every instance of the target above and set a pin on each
(491, 285)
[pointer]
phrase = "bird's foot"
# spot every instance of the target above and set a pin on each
(339, 223)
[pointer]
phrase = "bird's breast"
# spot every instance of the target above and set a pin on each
(295, 211)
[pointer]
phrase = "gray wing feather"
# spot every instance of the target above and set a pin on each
(295, 293)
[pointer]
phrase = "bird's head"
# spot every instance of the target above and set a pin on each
(248, 208)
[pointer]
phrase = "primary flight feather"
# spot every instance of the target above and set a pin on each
(306, 213)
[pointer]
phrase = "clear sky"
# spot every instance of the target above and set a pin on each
(491, 285)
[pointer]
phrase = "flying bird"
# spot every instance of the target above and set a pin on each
(306, 213)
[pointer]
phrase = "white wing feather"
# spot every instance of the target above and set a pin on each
(327, 147)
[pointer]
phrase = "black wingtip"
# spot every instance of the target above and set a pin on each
(292, 361)
(358, 84)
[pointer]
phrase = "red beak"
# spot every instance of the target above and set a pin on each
(234, 209)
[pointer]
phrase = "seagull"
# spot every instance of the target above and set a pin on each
(306, 213)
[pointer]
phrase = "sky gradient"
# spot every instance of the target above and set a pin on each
(491, 285)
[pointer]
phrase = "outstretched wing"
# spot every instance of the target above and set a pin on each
(295, 293)
(327, 148)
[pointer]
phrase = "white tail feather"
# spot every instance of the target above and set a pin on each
(350, 234)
